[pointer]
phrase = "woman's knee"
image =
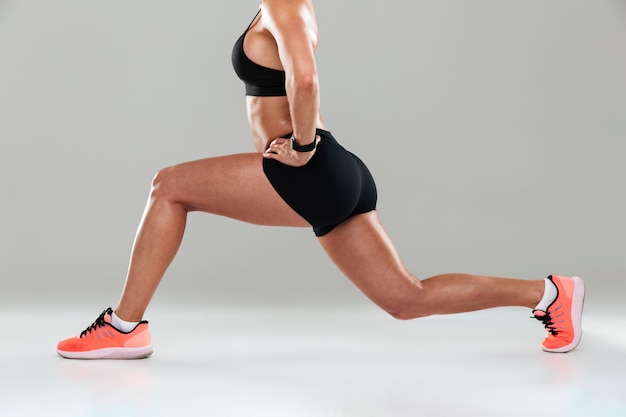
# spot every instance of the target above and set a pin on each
(410, 304)
(407, 312)
(164, 184)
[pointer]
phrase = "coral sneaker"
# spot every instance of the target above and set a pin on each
(563, 317)
(103, 341)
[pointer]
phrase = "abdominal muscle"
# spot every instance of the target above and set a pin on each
(270, 118)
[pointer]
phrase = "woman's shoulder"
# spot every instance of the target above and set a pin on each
(288, 15)
(285, 10)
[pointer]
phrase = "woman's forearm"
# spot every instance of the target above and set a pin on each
(303, 96)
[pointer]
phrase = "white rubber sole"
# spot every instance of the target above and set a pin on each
(110, 353)
(578, 301)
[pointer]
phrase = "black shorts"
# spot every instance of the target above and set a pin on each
(333, 186)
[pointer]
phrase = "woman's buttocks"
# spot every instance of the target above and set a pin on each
(333, 186)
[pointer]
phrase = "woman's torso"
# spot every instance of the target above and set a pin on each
(269, 117)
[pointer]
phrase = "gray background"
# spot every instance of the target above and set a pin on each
(495, 129)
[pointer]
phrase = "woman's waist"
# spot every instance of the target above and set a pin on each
(271, 119)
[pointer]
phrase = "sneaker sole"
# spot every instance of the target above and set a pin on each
(110, 353)
(578, 301)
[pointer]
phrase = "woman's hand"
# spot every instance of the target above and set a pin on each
(280, 150)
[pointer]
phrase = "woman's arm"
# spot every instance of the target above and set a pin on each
(292, 24)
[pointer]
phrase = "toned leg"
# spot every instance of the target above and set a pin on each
(233, 186)
(363, 251)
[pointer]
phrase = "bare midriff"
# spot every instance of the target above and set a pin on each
(270, 118)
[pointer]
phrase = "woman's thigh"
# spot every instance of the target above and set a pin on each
(233, 186)
(364, 252)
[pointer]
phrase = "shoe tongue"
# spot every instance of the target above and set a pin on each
(539, 313)
(107, 318)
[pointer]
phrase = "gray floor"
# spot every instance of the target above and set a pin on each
(305, 363)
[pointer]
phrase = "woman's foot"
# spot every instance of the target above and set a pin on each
(563, 317)
(102, 340)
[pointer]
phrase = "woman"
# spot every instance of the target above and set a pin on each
(300, 177)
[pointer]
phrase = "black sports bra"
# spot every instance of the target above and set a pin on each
(259, 80)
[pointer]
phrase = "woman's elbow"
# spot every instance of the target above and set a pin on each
(304, 82)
